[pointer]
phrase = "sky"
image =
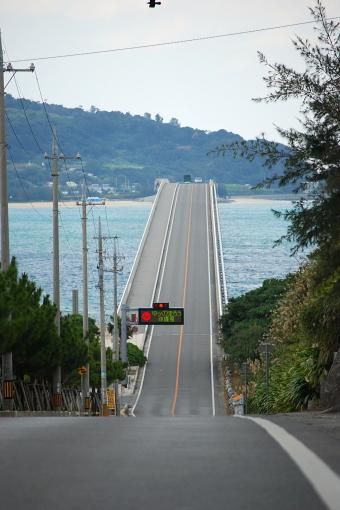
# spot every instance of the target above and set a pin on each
(207, 85)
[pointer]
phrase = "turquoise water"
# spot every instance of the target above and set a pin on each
(31, 243)
(248, 232)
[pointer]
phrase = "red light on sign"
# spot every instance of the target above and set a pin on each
(146, 316)
(160, 306)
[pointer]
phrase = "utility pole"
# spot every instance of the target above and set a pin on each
(245, 366)
(56, 270)
(85, 378)
(123, 339)
(103, 376)
(54, 157)
(84, 203)
(7, 361)
(116, 269)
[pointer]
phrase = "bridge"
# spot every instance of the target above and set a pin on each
(179, 261)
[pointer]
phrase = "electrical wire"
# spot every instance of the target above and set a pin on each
(16, 136)
(46, 111)
(26, 117)
(174, 42)
(93, 278)
(21, 183)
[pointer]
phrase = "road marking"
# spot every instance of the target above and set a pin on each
(179, 348)
(210, 315)
(323, 479)
(166, 240)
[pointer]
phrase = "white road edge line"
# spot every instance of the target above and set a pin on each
(210, 314)
(166, 240)
(323, 479)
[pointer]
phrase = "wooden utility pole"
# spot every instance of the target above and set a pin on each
(7, 361)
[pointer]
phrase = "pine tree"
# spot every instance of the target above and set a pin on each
(311, 158)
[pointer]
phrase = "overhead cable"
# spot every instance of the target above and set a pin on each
(171, 43)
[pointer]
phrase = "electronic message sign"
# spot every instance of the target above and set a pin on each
(161, 317)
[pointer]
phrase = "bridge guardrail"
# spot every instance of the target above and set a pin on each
(140, 249)
(221, 287)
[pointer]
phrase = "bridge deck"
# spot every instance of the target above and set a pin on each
(180, 378)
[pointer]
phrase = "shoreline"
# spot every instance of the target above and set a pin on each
(72, 203)
(238, 199)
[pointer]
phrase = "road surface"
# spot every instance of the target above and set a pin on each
(154, 463)
(180, 378)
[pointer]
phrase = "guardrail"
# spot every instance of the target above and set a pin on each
(140, 249)
(38, 397)
(221, 287)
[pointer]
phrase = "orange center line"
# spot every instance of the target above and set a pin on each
(179, 348)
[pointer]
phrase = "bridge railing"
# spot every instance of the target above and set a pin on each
(221, 287)
(140, 248)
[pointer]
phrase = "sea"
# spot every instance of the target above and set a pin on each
(248, 230)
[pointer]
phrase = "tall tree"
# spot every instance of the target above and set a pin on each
(312, 156)
(27, 325)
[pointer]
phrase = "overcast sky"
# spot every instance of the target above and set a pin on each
(206, 85)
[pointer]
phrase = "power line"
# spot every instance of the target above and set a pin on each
(170, 43)
(45, 110)
(16, 136)
(26, 117)
(21, 183)
(40, 149)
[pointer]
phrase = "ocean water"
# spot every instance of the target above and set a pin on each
(248, 231)
(31, 243)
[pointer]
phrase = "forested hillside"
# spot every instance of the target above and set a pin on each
(122, 153)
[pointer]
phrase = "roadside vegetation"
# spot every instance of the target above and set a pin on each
(299, 316)
(27, 329)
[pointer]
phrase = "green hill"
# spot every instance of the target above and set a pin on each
(122, 153)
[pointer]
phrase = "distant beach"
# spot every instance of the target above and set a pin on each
(238, 199)
(48, 205)
(253, 199)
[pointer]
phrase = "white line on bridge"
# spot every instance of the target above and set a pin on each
(210, 314)
(323, 479)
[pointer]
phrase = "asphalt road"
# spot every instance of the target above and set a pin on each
(182, 463)
(180, 378)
